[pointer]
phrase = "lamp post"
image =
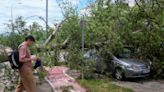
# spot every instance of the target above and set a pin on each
(12, 17)
(12, 21)
(46, 19)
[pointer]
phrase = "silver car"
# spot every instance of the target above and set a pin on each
(122, 66)
(127, 67)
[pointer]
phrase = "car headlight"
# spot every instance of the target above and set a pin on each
(133, 67)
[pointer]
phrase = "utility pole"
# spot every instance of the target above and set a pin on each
(12, 19)
(46, 19)
(83, 34)
(83, 43)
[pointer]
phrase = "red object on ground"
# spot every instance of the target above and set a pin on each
(59, 78)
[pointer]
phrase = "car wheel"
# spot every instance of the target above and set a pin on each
(119, 75)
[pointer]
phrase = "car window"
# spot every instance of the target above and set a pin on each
(90, 54)
(125, 54)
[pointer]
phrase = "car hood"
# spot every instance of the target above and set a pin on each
(132, 61)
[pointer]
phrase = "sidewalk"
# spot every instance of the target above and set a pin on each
(45, 87)
(60, 81)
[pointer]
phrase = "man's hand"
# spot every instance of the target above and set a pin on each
(34, 58)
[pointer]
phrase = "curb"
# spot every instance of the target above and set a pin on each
(64, 72)
(53, 90)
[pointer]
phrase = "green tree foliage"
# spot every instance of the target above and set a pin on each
(115, 25)
(21, 30)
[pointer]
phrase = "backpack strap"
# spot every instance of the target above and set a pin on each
(20, 46)
(13, 60)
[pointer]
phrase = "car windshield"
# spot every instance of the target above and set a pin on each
(90, 54)
(125, 54)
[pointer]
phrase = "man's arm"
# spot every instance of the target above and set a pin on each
(22, 54)
(25, 59)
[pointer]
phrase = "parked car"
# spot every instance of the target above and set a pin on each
(123, 65)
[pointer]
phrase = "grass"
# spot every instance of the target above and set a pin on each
(102, 86)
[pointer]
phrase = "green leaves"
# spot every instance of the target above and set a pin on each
(118, 25)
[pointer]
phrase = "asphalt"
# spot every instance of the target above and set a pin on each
(142, 85)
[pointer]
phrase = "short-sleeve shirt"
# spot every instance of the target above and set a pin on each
(24, 52)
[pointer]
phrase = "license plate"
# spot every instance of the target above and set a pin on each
(146, 71)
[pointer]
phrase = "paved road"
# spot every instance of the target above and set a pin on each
(139, 85)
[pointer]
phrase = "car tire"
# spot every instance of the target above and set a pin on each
(119, 74)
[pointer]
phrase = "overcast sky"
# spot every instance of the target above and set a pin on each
(28, 8)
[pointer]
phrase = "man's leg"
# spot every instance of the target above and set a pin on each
(20, 87)
(28, 81)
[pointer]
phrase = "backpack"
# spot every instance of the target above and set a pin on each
(14, 60)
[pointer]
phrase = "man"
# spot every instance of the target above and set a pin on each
(27, 81)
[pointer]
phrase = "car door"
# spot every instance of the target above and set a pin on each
(111, 63)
